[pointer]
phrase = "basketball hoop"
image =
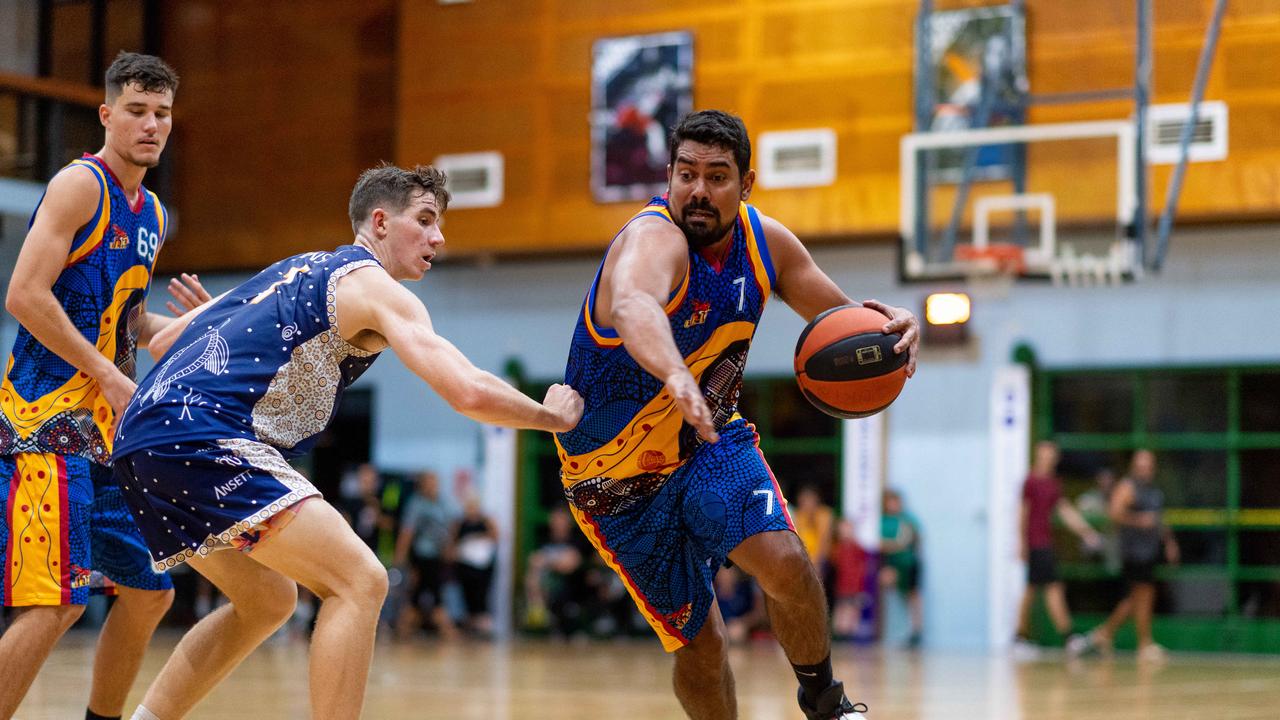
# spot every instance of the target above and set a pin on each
(992, 269)
(994, 258)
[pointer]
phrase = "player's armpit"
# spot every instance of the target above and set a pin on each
(370, 301)
(652, 259)
(370, 304)
(652, 256)
(800, 282)
(69, 203)
(160, 332)
(395, 313)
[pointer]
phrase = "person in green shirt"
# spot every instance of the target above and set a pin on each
(900, 559)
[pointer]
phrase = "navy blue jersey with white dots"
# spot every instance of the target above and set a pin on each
(264, 363)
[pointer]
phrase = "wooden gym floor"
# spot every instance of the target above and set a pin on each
(537, 680)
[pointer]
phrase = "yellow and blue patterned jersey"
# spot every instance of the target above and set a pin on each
(632, 435)
(46, 404)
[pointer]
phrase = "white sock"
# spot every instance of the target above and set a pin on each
(142, 713)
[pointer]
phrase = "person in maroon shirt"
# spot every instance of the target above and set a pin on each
(1041, 498)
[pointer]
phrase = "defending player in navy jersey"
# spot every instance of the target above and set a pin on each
(79, 292)
(663, 474)
(251, 379)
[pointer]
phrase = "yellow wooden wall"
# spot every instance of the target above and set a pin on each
(514, 76)
(282, 105)
(280, 108)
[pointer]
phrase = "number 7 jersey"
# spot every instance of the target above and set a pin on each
(46, 404)
(631, 429)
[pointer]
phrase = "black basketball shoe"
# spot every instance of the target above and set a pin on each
(832, 705)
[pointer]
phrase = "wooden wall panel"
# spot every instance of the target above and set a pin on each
(281, 106)
(514, 76)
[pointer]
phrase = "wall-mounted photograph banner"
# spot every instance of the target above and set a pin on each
(640, 87)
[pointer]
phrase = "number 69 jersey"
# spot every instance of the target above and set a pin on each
(46, 404)
(632, 436)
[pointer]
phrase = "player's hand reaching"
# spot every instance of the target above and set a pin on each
(566, 404)
(188, 292)
(688, 396)
(904, 322)
(118, 389)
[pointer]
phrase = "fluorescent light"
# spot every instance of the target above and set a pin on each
(946, 308)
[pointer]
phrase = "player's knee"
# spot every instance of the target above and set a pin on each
(61, 617)
(272, 602)
(708, 650)
(51, 620)
(366, 582)
(788, 572)
(148, 602)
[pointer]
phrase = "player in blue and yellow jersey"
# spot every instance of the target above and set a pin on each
(78, 291)
(663, 474)
(254, 377)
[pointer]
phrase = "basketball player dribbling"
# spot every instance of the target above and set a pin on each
(662, 474)
(79, 292)
(254, 377)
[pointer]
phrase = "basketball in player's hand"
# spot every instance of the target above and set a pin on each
(846, 366)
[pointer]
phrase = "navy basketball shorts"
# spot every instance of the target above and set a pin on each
(191, 498)
(668, 550)
(66, 532)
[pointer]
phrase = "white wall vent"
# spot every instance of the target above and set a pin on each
(475, 179)
(1208, 139)
(797, 158)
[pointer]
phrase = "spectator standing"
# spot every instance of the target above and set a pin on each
(849, 570)
(900, 558)
(424, 535)
(473, 550)
(1042, 499)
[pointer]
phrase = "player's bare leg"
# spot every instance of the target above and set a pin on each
(121, 645)
(319, 550)
(1144, 600)
(25, 646)
(261, 600)
(703, 680)
(1055, 601)
(1024, 611)
(798, 614)
(793, 594)
(1117, 618)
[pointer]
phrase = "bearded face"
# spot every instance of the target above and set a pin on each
(703, 192)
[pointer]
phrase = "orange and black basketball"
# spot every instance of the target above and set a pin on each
(846, 366)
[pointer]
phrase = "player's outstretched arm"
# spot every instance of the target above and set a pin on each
(1074, 520)
(810, 292)
(652, 253)
(369, 300)
(69, 203)
(188, 294)
(164, 338)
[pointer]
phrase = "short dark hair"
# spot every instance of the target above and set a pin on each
(148, 72)
(393, 188)
(714, 127)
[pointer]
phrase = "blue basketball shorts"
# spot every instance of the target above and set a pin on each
(192, 498)
(667, 550)
(66, 531)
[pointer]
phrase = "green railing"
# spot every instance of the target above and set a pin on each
(1216, 435)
